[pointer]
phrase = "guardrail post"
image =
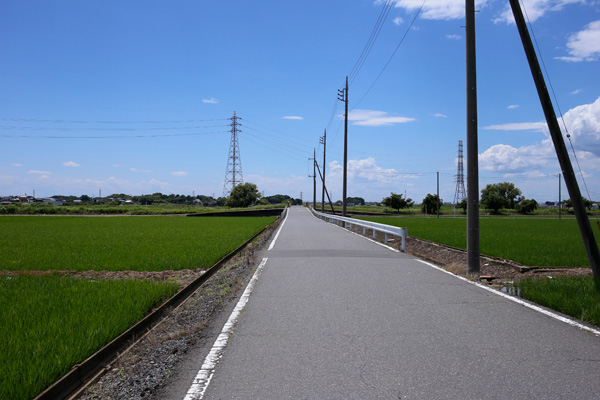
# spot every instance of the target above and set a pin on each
(404, 235)
(386, 238)
(374, 233)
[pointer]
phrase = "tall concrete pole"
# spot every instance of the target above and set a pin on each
(559, 197)
(324, 142)
(345, 150)
(438, 194)
(314, 179)
(472, 148)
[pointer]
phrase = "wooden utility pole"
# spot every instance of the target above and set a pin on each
(343, 96)
(324, 143)
(585, 227)
(472, 150)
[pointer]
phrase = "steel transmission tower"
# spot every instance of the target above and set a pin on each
(233, 174)
(460, 192)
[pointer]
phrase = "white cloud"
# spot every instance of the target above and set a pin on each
(119, 165)
(440, 115)
(454, 37)
(367, 170)
(438, 9)
(513, 106)
(585, 44)
(139, 170)
(36, 172)
(16, 165)
(502, 157)
(583, 124)
(292, 117)
(519, 126)
(576, 91)
(179, 173)
(535, 9)
(375, 118)
(71, 164)
(398, 21)
(210, 101)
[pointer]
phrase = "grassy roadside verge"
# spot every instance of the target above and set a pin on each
(50, 323)
(576, 296)
(535, 242)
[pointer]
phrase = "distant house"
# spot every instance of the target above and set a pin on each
(54, 202)
(198, 202)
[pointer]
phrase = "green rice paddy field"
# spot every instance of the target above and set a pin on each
(534, 242)
(121, 243)
(50, 323)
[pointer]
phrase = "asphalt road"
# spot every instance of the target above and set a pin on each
(335, 316)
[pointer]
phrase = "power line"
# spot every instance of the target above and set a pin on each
(110, 137)
(392, 56)
(107, 122)
(43, 128)
(372, 38)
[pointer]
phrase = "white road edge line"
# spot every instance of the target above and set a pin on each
(521, 302)
(358, 234)
(278, 231)
(206, 372)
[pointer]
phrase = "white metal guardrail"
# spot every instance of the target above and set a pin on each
(356, 223)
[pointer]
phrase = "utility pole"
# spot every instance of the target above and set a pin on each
(585, 228)
(472, 151)
(326, 192)
(343, 96)
(323, 141)
(559, 199)
(438, 194)
(314, 176)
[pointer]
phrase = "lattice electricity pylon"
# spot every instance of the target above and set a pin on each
(233, 173)
(460, 192)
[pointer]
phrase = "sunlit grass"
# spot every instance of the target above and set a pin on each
(121, 243)
(536, 242)
(50, 323)
(576, 296)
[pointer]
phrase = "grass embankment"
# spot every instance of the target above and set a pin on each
(121, 243)
(50, 323)
(576, 296)
(548, 243)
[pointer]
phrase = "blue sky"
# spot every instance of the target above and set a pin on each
(134, 97)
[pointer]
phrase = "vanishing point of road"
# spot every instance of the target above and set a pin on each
(336, 316)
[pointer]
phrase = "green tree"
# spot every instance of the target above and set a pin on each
(499, 195)
(430, 204)
(359, 201)
(525, 206)
(396, 202)
(587, 203)
(243, 195)
(463, 204)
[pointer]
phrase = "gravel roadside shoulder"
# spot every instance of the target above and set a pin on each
(156, 360)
